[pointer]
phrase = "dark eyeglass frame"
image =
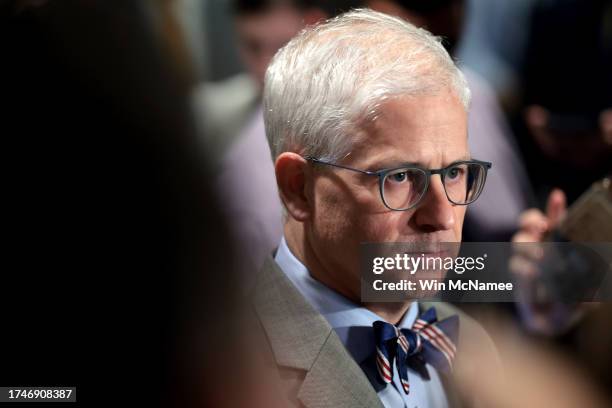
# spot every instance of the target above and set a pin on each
(382, 174)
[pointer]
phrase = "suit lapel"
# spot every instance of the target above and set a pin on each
(295, 330)
(335, 380)
(301, 338)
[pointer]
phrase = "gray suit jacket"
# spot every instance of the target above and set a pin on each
(313, 365)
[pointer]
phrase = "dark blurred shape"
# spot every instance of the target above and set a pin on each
(118, 273)
(241, 7)
(568, 95)
(589, 219)
(444, 18)
(426, 7)
(568, 59)
(331, 7)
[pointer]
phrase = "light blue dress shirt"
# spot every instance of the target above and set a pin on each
(353, 324)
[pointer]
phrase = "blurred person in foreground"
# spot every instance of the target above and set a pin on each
(120, 262)
(536, 374)
(493, 216)
(355, 109)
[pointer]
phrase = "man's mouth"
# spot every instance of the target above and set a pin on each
(440, 253)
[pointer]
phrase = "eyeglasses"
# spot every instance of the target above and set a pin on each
(402, 188)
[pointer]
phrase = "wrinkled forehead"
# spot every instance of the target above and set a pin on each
(427, 129)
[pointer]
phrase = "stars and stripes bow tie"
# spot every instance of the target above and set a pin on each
(429, 341)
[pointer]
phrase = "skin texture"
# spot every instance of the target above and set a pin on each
(332, 211)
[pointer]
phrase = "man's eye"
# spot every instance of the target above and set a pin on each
(455, 172)
(399, 177)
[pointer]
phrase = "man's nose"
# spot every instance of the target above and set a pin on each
(435, 212)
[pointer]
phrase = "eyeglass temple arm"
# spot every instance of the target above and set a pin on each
(315, 160)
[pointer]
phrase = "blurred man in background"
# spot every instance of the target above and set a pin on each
(234, 117)
(261, 28)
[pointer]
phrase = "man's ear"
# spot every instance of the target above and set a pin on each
(292, 179)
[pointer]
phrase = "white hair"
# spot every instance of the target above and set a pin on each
(330, 78)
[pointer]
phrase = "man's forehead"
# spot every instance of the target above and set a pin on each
(389, 157)
(417, 131)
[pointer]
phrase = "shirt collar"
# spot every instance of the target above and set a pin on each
(352, 322)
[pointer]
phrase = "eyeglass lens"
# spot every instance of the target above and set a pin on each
(403, 188)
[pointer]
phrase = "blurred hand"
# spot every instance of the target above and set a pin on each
(534, 225)
(538, 313)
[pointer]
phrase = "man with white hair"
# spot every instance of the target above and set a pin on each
(366, 116)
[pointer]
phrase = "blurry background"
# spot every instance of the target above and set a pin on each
(136, 168)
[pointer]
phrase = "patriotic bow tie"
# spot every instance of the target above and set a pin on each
(429, 341)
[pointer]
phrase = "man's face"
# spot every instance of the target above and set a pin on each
(430, 131)
(261, 35)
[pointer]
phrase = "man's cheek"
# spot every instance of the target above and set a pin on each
(459, 217)
(333, 225)
(378, 229)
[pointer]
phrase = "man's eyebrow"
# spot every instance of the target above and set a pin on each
(391, 164)
(401, 163)
(463, 158)
(394, 163)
